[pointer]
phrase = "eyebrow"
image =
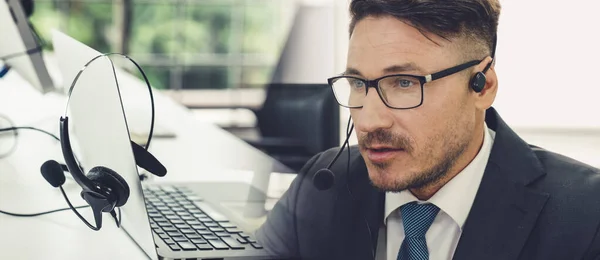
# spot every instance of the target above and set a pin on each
(352, 71)
(389, 70)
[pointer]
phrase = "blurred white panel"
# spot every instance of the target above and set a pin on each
(547, 64)
(308, 55)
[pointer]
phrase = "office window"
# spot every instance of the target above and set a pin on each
(181, 44)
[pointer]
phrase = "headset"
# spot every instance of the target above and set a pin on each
(102, 188)
(477, 83)
(324, 178)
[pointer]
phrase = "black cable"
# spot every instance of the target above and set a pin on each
(40, 213)
(348, 133)
(29, 128)
(15, 128)
(349, 128)
(10, 124)
(117, 220)
(75, 211)
(45, 212)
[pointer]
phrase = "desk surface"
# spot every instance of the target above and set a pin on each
(198, 152)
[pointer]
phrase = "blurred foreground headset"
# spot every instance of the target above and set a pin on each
(103, 189)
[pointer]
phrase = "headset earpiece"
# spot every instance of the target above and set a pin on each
(103, 188)
(478, 82)
(115, 184)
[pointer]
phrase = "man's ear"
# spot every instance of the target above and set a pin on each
(485, 98)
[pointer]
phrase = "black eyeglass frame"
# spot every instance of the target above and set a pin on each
(374, 83)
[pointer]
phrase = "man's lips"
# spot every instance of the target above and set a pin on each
(379, 154)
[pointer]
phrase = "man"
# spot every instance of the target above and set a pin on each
(437, 174)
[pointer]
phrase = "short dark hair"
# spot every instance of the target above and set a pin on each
(476, 20)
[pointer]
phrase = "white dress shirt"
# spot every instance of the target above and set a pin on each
(454, 200)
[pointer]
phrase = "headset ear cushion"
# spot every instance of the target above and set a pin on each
(113, 180)
(478, 82)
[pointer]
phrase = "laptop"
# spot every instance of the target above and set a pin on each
(167, 221)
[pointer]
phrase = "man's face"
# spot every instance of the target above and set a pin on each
(405, 149)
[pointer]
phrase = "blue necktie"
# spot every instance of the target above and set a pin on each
(417, 219)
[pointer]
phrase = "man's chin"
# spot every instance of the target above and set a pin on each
(385, 181)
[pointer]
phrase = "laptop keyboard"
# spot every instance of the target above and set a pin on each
(185, 222)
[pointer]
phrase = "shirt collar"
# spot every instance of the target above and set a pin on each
(457, 196)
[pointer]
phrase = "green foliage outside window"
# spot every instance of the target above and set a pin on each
(181, 44)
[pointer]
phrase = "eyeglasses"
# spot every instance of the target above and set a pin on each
(398, 91)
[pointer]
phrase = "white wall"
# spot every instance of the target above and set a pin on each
(548, 60)
(548, 63)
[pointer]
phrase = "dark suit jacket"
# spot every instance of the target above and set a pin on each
(531, 204)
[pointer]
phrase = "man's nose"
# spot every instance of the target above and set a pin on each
(373, 115)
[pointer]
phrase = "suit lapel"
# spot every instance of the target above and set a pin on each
(359, 205)
(500, 220)
(505, 208)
